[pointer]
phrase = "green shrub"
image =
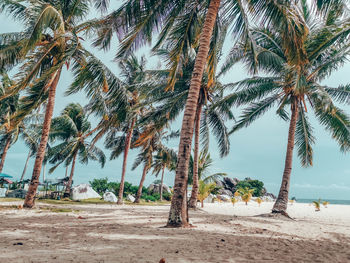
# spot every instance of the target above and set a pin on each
(167, 196)
(99, 185)
(102, 185)
(257, 185)
(149, 198)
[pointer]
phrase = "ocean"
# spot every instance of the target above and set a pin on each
(334, 202)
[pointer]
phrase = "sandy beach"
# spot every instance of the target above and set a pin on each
(222, 233)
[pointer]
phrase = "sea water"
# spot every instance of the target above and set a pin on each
(334, 202)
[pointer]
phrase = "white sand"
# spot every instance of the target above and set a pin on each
(222, 233)
(327, 223)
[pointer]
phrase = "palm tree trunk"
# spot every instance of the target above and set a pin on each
(44, 172)
(126, 152)
(70, 180)
(139, 191)
(193, 200)
(178, 210)
(161, 185)
(280, 205)
(4, 153)
(25, 166)
(29, 201)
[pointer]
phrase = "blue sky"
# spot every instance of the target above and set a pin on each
(257, 151)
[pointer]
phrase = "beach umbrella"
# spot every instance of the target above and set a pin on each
(5, 175)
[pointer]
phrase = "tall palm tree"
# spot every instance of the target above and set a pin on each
(296, 84)
(52, 38)
(150, 140)
(172, 103)
(138, 19)
(8, 131)
(165, 158)
(120, 108)
(72, 128)
(10, 127)
(31, 138)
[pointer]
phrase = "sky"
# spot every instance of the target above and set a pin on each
(257, 152)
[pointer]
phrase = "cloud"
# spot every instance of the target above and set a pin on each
(332, 186)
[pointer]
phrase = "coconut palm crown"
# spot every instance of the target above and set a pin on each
(296, 86)
(72, 128)
(51, 38)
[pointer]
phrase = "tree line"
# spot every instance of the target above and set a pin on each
(288, 48)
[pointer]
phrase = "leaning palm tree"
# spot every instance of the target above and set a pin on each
(72, 128)
(8, 130)
(150, 140)
(173, 102)
(31, 138)
(296, 84)
(52, 38)
(10, 127)
(120, 116)
(135, 22)
(164, 159)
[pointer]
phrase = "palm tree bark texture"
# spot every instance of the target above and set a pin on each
(70, 180)
(25, 166)
(143, 177)
(281, 203)
(194, 194)
(161, 185)
(30, 197)
(126, 152)
(178, 216)
(4, 153)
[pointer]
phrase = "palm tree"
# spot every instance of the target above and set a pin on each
(204, 191)
(8, 131)
(150, 141)
(317, 205)
(52, 38)
(174, 100)
(120, 107)
(204, 164)
(201, 172)
(10, 127)
(164, 159)
(246, 194)
(31, 138)
(296, 84)
(72, 128)
(139, 18)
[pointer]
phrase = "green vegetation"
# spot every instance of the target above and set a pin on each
(256, 185)
(204, 190)
(259, 200)
(245, 193)
(288, 47)
(102, 185)
(234, 200)
(317, 205)
(72, 129)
